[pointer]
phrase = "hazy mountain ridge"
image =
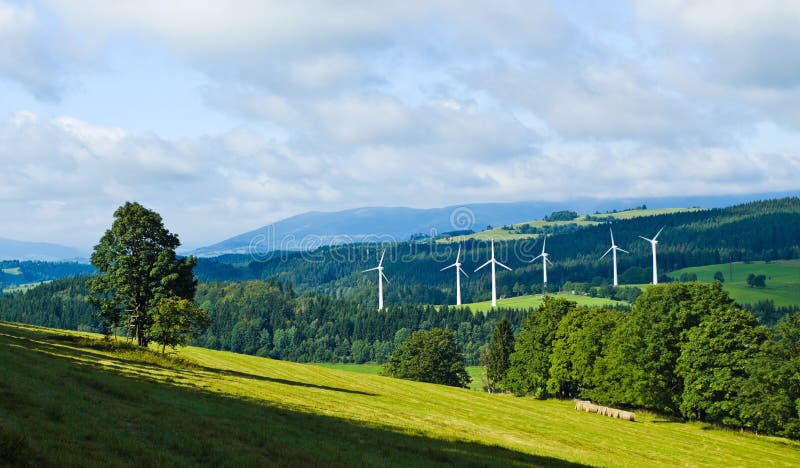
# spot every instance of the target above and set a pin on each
(11, 249)
(314, 229)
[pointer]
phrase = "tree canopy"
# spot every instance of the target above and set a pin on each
(137, 266)
(429, 356)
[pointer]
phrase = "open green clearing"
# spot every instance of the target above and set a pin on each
(65, 400)
(500, 234)
(783, 280)
(21, 287)
(16, 271)
(475, 372)
(533, 301)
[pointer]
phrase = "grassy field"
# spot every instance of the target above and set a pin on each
(501, 234)
(783, 280)
(21, 287)
(67, 400)
(16, 271)
(475, 372)
(532, 301)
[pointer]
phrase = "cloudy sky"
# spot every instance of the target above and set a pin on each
(227, 115)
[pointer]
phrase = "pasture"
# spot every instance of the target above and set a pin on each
(71, 399)
(534, 300)
(782, 284)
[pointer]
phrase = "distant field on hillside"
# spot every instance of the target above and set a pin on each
(16, 271)
(782, 285)
(21, 287)
(532, 301)
(70, 401)
(500, 234)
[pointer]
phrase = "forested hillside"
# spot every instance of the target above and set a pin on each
(767, 230)
(15, 272)
(268, 319)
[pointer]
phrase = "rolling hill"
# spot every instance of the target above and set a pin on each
(766, 230)
(782, 284)
(70, 399)
(20, 250)
(308, 231)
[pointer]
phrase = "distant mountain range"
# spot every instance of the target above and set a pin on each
(314, 229)
(20, 250)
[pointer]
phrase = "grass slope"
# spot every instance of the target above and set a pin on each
(783, 280)
(501, 234)
(475, 372)
(70, 401)
(533, 301)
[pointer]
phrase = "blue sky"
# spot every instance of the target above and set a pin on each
(225, 116)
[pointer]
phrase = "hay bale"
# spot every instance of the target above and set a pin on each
(627, 416)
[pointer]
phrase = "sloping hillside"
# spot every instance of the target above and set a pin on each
(68, 400)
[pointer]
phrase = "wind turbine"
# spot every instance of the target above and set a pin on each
(654, 242)
(494, 262)
(545, 260)
(614, 249)
(381, 277)
(459, 270)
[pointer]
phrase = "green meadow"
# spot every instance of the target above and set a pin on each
(70, 399)
(533, 301)
(475, 372)
(500, 234)
(782, 285)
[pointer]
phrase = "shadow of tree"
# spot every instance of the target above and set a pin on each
(109, 417)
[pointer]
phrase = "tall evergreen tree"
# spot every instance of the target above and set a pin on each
(137, 266)
(498, 354)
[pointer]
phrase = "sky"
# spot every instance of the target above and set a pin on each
(224, 116)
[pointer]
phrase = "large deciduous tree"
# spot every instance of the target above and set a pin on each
(138, 266)
(429, 356)
(530, 363)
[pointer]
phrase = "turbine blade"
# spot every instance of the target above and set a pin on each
(536, 258)
(384, 277)
(448, 267)
(607, 251)
(548, 260)
(462, 271)
(371, 269)
(622, 250)
(648, 240)
(507, 268)
(544, 243)
(381, 261)
(458, 255)
(612, 236)
(659, 232)
(483, 265)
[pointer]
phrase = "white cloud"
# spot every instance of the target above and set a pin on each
(219, 185)
(26, 57)
(329, 105)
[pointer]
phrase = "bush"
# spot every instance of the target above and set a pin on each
(431, 356)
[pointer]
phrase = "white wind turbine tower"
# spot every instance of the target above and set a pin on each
(653, 242)
(545, 260)
(614, 249)
(381, 277)
(459, 270)
(494, 262)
